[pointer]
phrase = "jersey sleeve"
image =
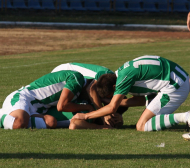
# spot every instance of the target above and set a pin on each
(100, 73)
(75, 83)
(125, 80)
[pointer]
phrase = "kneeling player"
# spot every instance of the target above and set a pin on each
(30, 102)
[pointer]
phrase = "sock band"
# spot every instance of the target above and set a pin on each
(8, 122)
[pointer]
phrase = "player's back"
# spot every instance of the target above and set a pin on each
(89, 71)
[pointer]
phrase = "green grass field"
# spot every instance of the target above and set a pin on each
(92, 148)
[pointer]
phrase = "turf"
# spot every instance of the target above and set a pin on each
(92, 148)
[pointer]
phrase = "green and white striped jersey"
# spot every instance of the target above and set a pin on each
(148, 74)
(89, 71)
(45, 91)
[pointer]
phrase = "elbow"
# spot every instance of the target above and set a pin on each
(60, 108)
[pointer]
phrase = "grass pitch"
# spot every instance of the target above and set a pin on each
(92, 148)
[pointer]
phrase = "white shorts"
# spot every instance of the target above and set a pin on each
(168, 103)
(23, 103)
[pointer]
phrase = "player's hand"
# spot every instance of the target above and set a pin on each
(115, 120)
(188, 21)
(80, 116)
(109, 121)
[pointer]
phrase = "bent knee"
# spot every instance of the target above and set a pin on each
(73, 124)
(139, 127)
(50, 121)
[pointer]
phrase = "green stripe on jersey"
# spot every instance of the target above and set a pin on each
(172, 82)
(41, 110)
(53, 78)
(149, 72)
(15, 98)
(100, 73)
(180, 75)
(48, 88)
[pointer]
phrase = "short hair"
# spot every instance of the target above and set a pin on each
(105, 84)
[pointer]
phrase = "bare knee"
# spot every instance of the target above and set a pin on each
(50, 121)
(73, 124)
(139, 126)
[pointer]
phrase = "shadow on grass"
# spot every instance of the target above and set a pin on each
(176, 128)
(91, 156)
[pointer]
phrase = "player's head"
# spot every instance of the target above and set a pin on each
(106, 85)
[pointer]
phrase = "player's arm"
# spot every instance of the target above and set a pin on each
(106, 110)
(93, 95)
(188, 21)
(65, 104)
(133, 101)
(129, 102)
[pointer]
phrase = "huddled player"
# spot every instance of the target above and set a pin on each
(92, 73)
(26, 105)
(142, 76)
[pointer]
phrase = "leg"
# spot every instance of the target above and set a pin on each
(162, 106)
(146, 115)
(82, 124)
(160, 122)
(50, 121)
(42, 121)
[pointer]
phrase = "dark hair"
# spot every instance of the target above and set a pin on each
(105, 84)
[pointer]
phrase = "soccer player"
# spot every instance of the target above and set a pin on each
(92, 73)
(142, 76)
(30, 102)
(188, 21)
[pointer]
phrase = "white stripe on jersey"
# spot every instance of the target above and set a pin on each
(77, 80)
(147, 56)
(121, 81)
(153, 84)
(176, 78)
(44, 92)
(63, 67)
(146, 62)
(83, 71)
(116, 73)
(180, 71)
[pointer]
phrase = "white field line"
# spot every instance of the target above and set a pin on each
(28, 65)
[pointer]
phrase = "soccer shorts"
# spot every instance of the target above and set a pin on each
(167, 103)
(22, 103)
